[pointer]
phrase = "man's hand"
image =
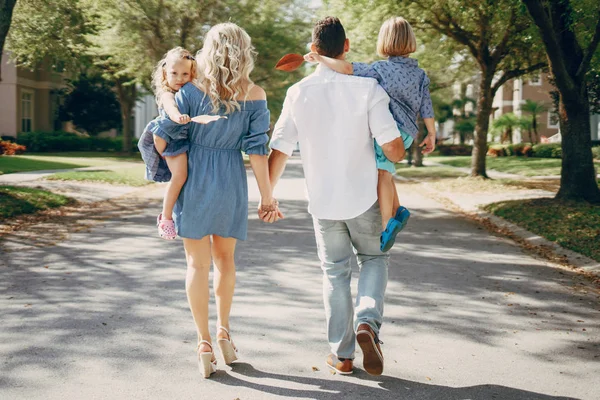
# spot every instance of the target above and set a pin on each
(428, 143)
(312, 57)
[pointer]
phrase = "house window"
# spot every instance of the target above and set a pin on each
(536, 80)
(26, 111)
(553, 121)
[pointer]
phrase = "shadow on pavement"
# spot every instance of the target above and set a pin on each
(385, 387)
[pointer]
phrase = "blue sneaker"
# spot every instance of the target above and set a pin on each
(393, 227)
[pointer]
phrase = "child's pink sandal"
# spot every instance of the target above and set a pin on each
(166, 228)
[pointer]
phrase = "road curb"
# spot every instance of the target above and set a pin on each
(550, 251)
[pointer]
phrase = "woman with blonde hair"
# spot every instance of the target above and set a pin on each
(213, 203)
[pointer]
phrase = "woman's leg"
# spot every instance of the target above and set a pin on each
(197, 254)
(223, 250)
(386, 192)
(178, 166)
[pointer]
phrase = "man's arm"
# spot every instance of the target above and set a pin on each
(283, 142)
(394, 150)
(382, 125)
(277, 161)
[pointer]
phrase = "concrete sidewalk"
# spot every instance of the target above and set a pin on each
(468, 316)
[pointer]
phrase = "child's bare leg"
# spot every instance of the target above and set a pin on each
(396, 200)
(159, 143)
(178, 166)
(386, 192)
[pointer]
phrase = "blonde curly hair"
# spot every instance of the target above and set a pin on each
(224, 66)
(159, 76)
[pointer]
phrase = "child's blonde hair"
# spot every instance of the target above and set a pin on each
(224, 65)
(396, 38)
(159, 76)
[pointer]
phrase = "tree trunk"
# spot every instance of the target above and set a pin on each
(6, 11)
(578, 176)
(534, 127)
(417, 151)
(127, 97)
(569, 63)
(484, 109)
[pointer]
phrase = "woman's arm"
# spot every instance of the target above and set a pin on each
(167, 100)
(341, 66)
(267, 208)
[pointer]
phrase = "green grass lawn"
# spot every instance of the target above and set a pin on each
(575, 226)
(512, 165)
(407, 171)
(44, 161)
(20, 200)
(132, 176)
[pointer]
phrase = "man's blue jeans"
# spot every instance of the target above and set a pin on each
(337, 242)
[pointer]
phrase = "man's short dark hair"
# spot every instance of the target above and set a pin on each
(329, 37)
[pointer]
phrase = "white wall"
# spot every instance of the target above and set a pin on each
(145, 111)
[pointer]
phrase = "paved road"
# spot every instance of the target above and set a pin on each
(468, 316)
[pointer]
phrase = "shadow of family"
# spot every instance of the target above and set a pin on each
(362, 385)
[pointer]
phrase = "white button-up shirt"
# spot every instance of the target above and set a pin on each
(334, 118)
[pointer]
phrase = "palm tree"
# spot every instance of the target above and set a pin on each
(535, 109)
(463, 118)
(506, 124)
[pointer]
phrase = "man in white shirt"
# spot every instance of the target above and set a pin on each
(335, 118)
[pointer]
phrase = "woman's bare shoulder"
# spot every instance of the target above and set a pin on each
(257, 93)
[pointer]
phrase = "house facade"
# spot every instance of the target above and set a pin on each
(513, 94)
(29, 100)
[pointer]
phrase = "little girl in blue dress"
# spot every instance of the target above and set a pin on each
(408, 88)
(165, 157)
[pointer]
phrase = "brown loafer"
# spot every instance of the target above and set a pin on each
(340, 365)
(369, 343)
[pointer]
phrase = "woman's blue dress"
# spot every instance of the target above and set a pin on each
(214, 199)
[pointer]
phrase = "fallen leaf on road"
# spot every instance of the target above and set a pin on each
(428, 378)
(315, 369)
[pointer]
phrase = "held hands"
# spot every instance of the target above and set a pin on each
(428, 143)
(207, 119)
(268, 210)
(312, 57)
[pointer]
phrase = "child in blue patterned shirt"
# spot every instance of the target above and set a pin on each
(408, 88)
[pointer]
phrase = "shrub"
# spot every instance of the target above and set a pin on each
(10, 148)
(496, 151)
(66, 141)
(596, 152)
(528, 150)
(520, 149)
(547, 150)
(455, 149)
